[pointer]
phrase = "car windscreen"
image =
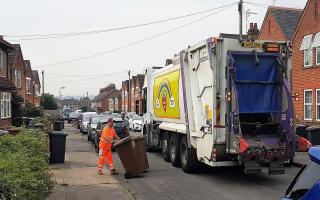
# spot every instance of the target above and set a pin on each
(116, 115)
(96, 119)
(305, 179)
(118, 124)
(86, 117)
(136, 117)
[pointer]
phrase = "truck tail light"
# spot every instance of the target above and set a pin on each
(244, 146)
(269, 155)
(214, 154)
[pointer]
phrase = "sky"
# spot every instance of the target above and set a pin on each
(37, 17)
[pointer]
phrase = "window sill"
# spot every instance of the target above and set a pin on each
(5, 118)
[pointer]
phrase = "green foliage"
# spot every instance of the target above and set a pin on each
(24, 165)
(49, 102)
(17, 110)
(31, 111)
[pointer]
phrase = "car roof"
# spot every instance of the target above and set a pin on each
(117, 119)
(314, 154)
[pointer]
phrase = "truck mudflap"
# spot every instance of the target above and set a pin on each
(252, 167)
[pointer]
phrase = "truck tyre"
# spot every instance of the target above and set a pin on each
(174, 150)
(165, 147)
(188, 157)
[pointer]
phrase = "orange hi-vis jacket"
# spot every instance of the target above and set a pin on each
(106, 138)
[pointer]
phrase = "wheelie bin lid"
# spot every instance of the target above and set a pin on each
(122, 141)
(313, 128)
(139, 137)
(58, 133)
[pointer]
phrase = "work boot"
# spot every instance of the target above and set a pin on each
(114, 172)
(100, 172)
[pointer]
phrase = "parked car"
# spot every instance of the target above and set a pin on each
(85, 117)
(73, 116)
(135, 123)
(128, 116)
(118, 126)
(116, 115)
(79, 120)
(306, 184)
(92, 125)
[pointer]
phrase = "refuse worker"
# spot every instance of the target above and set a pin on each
(105, 153)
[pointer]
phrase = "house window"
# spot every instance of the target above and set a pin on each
(1, 59)
(316, 44)
(308, 104)
(116, 101)
(17, 78)
(28, 85)
(110, 101)
(36, 90)
(307, 48)
(318, 104)
(5, 105)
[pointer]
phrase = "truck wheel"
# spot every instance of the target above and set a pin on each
(174, 150)
(165, 147)
(188, 157)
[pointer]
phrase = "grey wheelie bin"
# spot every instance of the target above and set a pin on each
(140, 151)
(126, 152)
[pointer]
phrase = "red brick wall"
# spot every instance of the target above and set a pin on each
(19, 65)
(271, 30)
(305, 78)
(28, 97)
(124, 100)
(5, 123)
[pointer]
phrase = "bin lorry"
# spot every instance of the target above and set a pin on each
(222, 102)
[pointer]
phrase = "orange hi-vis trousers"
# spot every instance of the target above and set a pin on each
(105, 155)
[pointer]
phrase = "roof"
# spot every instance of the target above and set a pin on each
(13, 54)
(4, 44)
(27, 66)
(6, 85)
(115, 94)
(287, 18)
(35, 75)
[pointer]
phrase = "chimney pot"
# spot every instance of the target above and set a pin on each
(251, 25)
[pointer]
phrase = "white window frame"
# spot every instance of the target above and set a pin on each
(310, 51)
(307, 104)
(28, 85)
(317, 55)
(17, 78)
(317, 104)
(5, 105)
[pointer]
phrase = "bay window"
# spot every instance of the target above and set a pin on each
(5, 104)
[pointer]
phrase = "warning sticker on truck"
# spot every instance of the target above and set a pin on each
(166, 95)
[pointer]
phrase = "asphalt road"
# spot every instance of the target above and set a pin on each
(163, 181)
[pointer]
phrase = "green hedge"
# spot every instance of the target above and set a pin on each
(24, 165)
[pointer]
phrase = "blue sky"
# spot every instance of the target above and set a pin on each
(61, 16)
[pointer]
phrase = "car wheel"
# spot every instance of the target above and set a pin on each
(188, 157)
(174, 150)
(165, 147)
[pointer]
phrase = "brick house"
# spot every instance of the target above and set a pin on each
(17, 70)
(102, 99)
(279, 23)
(125, 96)
(138, 82)
(306, 64)
(28, 82)
(115, 100)
(36, 88)
(132, 93)
(6, 87)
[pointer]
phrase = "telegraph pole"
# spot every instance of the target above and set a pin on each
(42, 81)
(129, 95)
(240, 9)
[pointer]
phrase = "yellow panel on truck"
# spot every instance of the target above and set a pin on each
(166, 95)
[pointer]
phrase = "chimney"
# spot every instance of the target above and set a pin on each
(168, 62)
(253, 32)
(1, 37)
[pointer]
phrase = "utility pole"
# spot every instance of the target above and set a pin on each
(42, 81)
(129, 95)
(240, 9)
(88, 101)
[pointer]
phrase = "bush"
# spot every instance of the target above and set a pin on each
(24, 165)
(31, 111)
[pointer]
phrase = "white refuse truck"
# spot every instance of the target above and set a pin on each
(222, 102)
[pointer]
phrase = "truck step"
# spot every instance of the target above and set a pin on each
(252, 170)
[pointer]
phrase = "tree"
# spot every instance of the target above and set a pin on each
(49, 102)
(17, 110)
(30, 110)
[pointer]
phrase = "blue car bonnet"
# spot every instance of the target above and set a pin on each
(314, 154)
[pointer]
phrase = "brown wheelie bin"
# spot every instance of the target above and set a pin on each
(125, 150)
(140, 151)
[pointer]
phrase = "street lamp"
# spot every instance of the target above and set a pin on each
(60, 95)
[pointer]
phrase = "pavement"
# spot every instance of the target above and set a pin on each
(300, 159)
(77, 178)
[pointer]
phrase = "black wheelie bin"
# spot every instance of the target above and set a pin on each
(57, 146)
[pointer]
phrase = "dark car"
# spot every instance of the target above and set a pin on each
(118, 126)
(306, 185)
